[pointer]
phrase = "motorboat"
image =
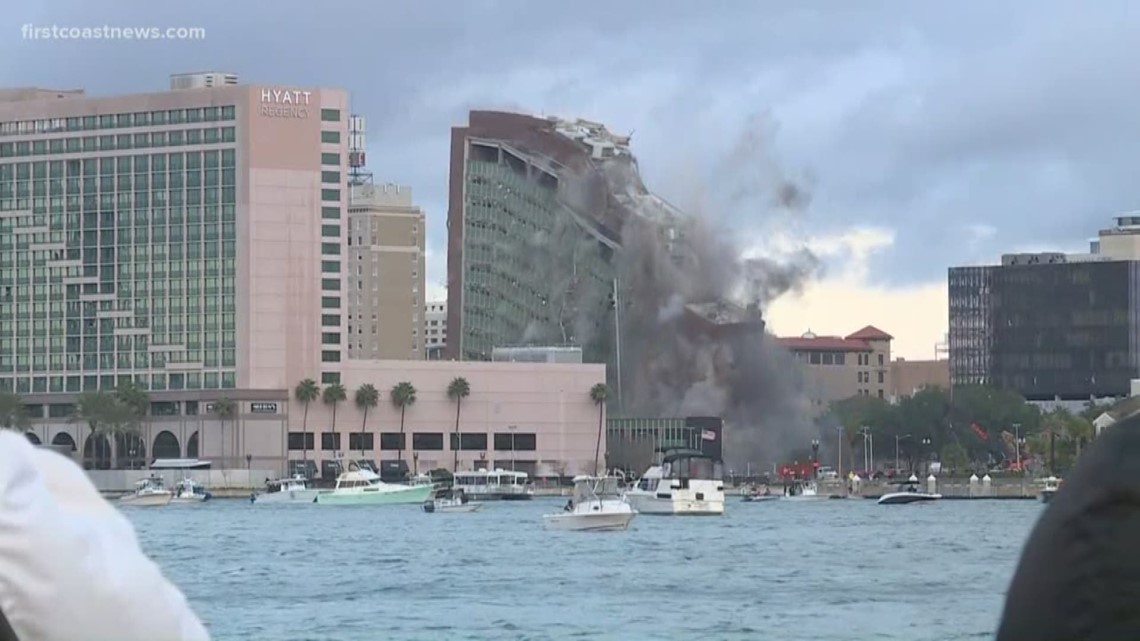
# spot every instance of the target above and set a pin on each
(187, 491)
(802, 490)
(1051, 485)
(291, 490)
(908, 492)
(451, 501)
(360, 486)
(756, 495)
(149, 492)
(688, 482)
(597, 506)
(494, 485)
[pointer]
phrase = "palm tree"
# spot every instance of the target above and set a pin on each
(458, 390)
(225, 409)
(599, 393)
(13, 414)
(333, 395)
(135, 397)
(367, 397)
(402, 395)
(306, 392)
(107, 415)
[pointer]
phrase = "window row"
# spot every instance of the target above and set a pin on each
(425, 441)
(123, 360)
(117, 164)
(143, 140)
(108, 382)
(120, 121)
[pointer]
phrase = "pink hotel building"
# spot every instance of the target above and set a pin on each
(193, 241)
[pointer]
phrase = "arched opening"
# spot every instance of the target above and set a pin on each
(166, 446)
(63, 439)
(32, 438)
(192, 446)
(131, 452)
(97, 452)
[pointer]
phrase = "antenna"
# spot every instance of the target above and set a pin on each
(357, 174)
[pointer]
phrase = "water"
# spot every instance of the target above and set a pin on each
(788, 571)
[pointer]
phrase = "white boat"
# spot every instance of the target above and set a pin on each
(800, 490)
(360, 486)
(149, 492)
(756, 495)
(187, 491)
(291, 490)
(1052, 484)
(597, 506)
(494, 485)
(908, 492)
(451, 501)
(688, 482)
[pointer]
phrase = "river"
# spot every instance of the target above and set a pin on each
(775, 570)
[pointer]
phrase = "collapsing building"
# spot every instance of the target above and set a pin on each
(555, 240)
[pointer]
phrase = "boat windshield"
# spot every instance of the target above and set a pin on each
(693, 467)
(587, 489)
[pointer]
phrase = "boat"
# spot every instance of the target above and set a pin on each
(187, 491)
(597, 506)
(451, 501)
(149, 492)
(360, 486)
(801, 490)
(494, 485)
(908, 492)
(1052, 484)
(688, 482)
(290, 490)
(756, 495)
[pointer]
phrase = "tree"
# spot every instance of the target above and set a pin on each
(225, 409)
(333, 395)
(458, 390)
(109, 416)
(954, 457)
(598, 394)
(136, 398)
(306, 392)
(367, 397)
(403, 396)
(13, 414)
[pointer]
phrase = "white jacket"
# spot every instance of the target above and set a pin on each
(70, 565)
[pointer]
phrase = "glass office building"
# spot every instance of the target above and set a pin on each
(156, 238)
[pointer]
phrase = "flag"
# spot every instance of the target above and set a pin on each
(708, 435)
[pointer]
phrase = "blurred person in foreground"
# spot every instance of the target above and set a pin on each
(71, 568)
(1079, 574)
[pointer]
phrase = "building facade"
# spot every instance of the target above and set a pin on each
(908, 377)
(435, 329)
(1049, 326)
(837, 367)
(537, 418)
(385, 278)
(185, 240)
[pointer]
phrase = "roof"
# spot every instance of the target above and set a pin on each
(824, 343)
(870, 333)
(1125, 408)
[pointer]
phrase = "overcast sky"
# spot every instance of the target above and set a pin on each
(930, 134)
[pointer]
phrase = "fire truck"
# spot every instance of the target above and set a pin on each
(798, 470)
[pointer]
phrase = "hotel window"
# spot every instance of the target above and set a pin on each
(330, 230)
(332, 137)
(392, 441)
(331, 177)
(880, 360)
(430, 441)
(332, 249)
(330, 441)
(330, 320)
(329, 356)
(301, 440)
(881, 378)
(360, 441)
(330, 302)
(330, 115)
(330, 284)
(330, 378)
(330, 195)
(330, 338)
(330, 159)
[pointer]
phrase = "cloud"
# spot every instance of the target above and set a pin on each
(846, 299)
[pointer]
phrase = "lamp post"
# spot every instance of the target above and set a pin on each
(1017, 443)
(897, 439)
(248, 471)
(815, 457)
(926, 444)
(867, 456)
(839, 443)
(415, 463)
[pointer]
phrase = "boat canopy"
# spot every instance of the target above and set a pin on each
(588, 488)
(179, 464)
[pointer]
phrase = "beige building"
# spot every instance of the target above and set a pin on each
(385, 274)
(837, 367)
(908, 377)
(435, 329)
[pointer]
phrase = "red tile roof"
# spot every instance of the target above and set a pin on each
(824, 343)
(870, 333)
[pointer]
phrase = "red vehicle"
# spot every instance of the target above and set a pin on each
(798, 470)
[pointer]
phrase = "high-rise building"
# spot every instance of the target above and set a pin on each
(1050, 326)
(435, 329)
(537, 207)
(183, 240)
(385, 274)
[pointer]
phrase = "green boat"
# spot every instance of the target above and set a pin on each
(364, 487)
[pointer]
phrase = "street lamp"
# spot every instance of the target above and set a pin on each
(815, 456)
(925, 446)
(248, 472)
(839, 459)
(897, 439)
(415, 463)
(1017, 443)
